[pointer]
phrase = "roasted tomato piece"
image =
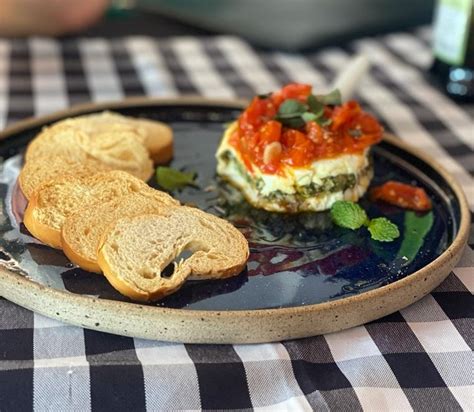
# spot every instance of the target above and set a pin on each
(270, 132)
(344, 114)
(402, 195)
(298, 149)
(365, 131)
(296, 91)
(258, 112)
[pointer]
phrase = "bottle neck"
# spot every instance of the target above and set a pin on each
(453, 32)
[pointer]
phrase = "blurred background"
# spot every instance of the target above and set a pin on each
(290, 26)
(282, 24)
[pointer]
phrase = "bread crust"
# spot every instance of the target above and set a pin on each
(134, 251)
(40, 231)
(159, 140)
(80, 260)
(127, 289)
(35, 173)
(100, 216)
(53, 201)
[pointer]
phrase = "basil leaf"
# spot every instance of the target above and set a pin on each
(315, 105)
(291, 107)
(291, 122)
(334, 98)
(171, 179)
(324, 121)
(309, 117)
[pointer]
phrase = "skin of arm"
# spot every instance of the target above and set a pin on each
(48, 17)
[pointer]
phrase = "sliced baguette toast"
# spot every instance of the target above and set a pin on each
(116, 147)
(157, 137)
(158, 141)
(53, 201)
(35, 173)
(55, 141)
(135, 250)
(119, 151)
(82, 230)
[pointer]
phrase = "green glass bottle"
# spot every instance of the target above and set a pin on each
(453, 47)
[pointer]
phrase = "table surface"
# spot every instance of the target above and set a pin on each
(419, 358)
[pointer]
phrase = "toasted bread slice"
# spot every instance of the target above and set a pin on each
(53, 201)
(134, 252)
(119, 151)
(115, 147)
(157, 137)
(55, 141)
(158, 141)
(36, 173)
(82, 230)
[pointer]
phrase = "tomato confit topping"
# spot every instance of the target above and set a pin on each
(294, 127)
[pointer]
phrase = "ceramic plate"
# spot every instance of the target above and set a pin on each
(304, 275)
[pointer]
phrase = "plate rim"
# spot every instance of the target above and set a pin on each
(15, 287)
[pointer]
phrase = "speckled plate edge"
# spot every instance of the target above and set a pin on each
(247, 326)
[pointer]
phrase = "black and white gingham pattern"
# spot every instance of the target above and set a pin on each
(419, 358)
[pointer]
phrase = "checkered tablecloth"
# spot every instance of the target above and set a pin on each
(417, 359)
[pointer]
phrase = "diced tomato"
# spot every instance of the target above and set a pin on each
(258, 112)
(252, 117)
(297, 148)
(270, 132)
(402, 195)
(344, 114)
(296, 91)
(348, 130)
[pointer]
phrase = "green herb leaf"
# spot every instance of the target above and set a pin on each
(291, 108)
(170, 179)
(315, 105)
(292, 122)
(334, 98)
(323, 121)
(348, 214)
(294, 114)
(309, 117)
(383, 230)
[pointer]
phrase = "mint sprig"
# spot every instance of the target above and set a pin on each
(383, 230)
(350, 215)
(295, 114)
